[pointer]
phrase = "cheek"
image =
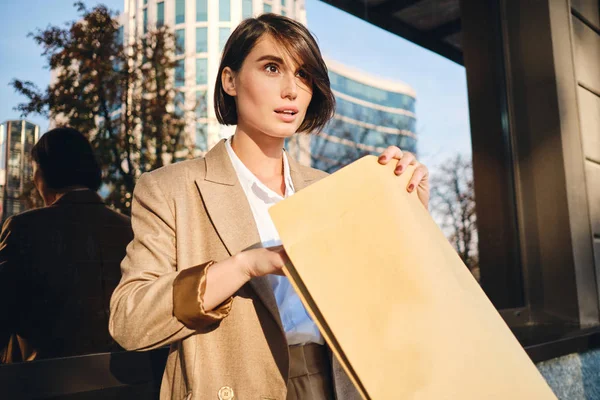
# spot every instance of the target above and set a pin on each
(252, 98)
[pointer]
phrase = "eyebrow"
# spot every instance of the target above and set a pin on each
(271, 58)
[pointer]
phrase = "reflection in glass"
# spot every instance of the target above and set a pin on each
(201, 137)
(201, 104)
(246, 8)
(201, 10)
(160, 14)
(201, 71)
(180, 41)
(223, 36)
(178, 103)
(201, 40)
(224, 10)
(145, 20)
(179, 11)
(180, 73)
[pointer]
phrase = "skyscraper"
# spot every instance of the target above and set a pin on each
(17, 138)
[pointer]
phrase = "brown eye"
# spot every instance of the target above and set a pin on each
(271, 68)
(302, 74)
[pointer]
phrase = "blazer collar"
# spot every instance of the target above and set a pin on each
(85, 196)
(220, 170)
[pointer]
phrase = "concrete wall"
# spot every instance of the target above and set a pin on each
(577, 376)
(586, 44)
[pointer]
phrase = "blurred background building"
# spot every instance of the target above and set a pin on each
(371, 114)
(16, 171)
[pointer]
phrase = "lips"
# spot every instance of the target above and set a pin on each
(287, 114)
(287, 110)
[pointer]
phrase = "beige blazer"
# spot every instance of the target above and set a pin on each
(184, 216)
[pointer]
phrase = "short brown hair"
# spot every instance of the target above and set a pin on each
(299, 42)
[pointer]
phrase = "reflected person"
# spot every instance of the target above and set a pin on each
(59, 264)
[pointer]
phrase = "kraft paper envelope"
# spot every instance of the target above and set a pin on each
(391, 296)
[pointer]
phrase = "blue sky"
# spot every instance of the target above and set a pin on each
(440, 84)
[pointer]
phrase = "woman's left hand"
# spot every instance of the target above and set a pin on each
(420, 176)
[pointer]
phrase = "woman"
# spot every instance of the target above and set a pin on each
(235, 327)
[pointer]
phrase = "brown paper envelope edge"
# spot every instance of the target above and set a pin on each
(319, 319)
(311, 307)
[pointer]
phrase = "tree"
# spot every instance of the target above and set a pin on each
(452, 205)
(122, 95)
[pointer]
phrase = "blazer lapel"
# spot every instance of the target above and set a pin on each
(303, 176)
(297, 178)
(230, 213)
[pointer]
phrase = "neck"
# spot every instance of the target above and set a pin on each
(261, 154)
(52, 197)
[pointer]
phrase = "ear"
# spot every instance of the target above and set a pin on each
(228, 81)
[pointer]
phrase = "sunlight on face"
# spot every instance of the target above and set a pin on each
(272, 91)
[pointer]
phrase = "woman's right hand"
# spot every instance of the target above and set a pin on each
(226, 277)
(263, 261)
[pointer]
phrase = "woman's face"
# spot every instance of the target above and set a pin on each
(272, 92)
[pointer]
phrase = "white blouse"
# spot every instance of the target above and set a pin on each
(297, 324)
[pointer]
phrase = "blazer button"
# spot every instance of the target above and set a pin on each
(226, 393)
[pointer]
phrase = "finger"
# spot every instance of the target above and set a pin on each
(405, 161)
(275, 248)
(389, 154)
(282, 264)
(277, 256)
(416, 178)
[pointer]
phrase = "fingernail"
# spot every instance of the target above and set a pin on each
(411, 187)
(382, 159)
(399, 168)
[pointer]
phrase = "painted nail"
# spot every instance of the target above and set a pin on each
(382, 159)
(411, 187)
(399, 168)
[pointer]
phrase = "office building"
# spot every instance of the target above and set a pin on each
(17, 138)
(371, 114)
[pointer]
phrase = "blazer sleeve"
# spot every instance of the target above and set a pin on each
(155, 304)
(9, 285)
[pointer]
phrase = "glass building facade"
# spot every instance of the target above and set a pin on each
(201, 27)
(371, 114)
(17, 138)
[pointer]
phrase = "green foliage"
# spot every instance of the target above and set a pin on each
(122, 96)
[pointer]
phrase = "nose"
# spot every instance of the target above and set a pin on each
(289, 86)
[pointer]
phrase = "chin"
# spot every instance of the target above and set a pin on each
(283, 132)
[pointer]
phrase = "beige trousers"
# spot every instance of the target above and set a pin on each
(310, 373)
